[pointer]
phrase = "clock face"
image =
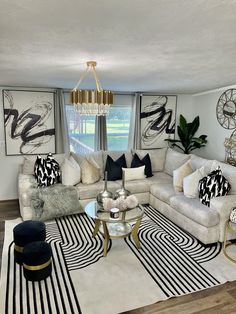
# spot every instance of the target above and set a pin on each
(226, 109)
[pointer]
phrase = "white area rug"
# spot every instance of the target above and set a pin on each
(170, 263)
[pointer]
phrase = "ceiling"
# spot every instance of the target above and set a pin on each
(171, 46)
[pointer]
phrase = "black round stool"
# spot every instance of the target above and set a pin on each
(37, 262)
(27, 232)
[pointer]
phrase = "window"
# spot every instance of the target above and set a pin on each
(82, 128)
(118, 122)
(81, 131)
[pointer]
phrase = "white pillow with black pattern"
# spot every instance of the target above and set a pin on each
(213, 185)
(47, 171)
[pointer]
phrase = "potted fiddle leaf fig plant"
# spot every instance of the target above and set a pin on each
(187, 142)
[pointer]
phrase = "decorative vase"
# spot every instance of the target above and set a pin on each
(105, 193)
(123, 193)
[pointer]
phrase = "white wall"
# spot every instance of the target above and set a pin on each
(9, 165)
(204, 105)
(184, 107)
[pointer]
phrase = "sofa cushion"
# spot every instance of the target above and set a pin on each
(194, 210)
(96, 156)
(174, 160)
(191, 182)
(46, 171)
(160, 177)
(114, 167)
(116, 154)
(163, 191)
(29, 161)
(229, 172)
(132, 174)
(213, 185)
(157, 157)
(179, 174)
(70, 172)
(90, 171)
(136, 186)
(90, 191)
(199, 162)
(145, 161)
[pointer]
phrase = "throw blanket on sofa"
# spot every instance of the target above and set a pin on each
(54, 201)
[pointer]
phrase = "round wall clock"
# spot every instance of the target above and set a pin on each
(226, 109)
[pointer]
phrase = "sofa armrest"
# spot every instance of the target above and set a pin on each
(26, 183)
(223, 205)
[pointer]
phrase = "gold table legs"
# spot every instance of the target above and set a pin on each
(96, 227)
(227, 228)
(134, 233)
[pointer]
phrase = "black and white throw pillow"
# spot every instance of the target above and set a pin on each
(114, 168)
(213, 185)
(145, 161)
(47, 171)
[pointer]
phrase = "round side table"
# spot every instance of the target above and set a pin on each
(229, 226)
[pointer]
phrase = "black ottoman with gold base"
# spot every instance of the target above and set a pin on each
(37, 261)
(27, 232)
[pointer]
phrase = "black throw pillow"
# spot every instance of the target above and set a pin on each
(114, 168)
(146, 161)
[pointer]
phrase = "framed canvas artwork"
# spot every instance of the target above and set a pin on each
(29, 122)
(158, 114)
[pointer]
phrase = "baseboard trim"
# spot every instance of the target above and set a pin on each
(9, 204)
(9, 201)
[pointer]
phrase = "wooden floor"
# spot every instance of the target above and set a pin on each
(218, 300)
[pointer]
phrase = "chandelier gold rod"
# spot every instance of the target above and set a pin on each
(98, 84)
(81, 78)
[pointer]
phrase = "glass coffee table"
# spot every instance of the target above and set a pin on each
(113, 228)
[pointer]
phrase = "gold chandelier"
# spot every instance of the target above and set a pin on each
(91, 102)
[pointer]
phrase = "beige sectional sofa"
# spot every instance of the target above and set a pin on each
(204, 223)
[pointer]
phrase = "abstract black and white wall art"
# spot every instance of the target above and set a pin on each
(29, 122)
(157, 115)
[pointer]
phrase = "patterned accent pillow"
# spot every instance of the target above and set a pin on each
(213, 185)
(47, 171)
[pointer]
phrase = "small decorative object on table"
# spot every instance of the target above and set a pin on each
(114, 213)
(122, 192)
(122, 204)
(105, 194)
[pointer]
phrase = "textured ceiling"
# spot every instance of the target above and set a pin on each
(172, 46)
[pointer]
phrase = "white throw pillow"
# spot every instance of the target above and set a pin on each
(174, 160)
(71, 173)
(134, 173)
(190, 183)
(90, 171)
(179, 174)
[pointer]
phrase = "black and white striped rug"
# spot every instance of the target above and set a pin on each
(170, 263)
